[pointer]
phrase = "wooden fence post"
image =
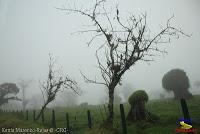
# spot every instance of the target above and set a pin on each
(21, 113)
(185, 111)
(42, 116)
(124, 129)
(53, 119)
(26, 114)
(67, 120)
(89, 119)
(33, 115)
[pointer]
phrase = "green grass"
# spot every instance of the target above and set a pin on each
(168, 111)
(10, 120)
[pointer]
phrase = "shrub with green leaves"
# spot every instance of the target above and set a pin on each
(138, 112)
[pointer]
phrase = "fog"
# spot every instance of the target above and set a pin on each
(31, 29)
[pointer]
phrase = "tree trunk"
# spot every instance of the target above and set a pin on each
(110, 108)
(41, 111)
(23, 99)
(111, 88)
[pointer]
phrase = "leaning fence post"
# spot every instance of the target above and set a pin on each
(124, 129)
(186, 114)
(21, 113)
(33, 115)
(89, 119)
(67, 120)
(53, 119)
(26, 114)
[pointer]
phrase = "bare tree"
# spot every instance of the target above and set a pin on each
(24, 85)
(125, 43)
(54, 84)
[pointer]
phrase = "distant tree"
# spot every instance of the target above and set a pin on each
(35, 102)
(177, 81)
(23, 86)
(69, 98)
(125, 41)
(127, 90)
(6, 92)
(138, 111)
(197, 84)
(83, 104)
(162, 96)
(117, 99)
(54, 84)
(196, 87)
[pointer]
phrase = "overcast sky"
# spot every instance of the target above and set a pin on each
(30, 29)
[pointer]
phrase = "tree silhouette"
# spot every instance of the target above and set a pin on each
(6, 90)
(124, 43)
(23, 86)
(197, 84)
(54, 84)
(177, 81)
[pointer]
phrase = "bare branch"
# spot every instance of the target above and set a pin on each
(87, 80)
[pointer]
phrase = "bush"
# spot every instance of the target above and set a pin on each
(138, 96)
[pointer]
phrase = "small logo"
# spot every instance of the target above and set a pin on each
(185, 126)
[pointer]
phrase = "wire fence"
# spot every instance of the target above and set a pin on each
(73, 121)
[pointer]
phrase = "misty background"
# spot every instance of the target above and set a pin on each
(31, 29)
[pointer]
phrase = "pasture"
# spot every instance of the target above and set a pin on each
(168, 110)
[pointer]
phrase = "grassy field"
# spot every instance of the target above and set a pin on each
(168, 111)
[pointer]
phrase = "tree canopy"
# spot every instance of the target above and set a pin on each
(176, 80)
(6, 90)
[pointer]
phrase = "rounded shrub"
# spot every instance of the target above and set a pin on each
(176, 80)
(138, 96)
